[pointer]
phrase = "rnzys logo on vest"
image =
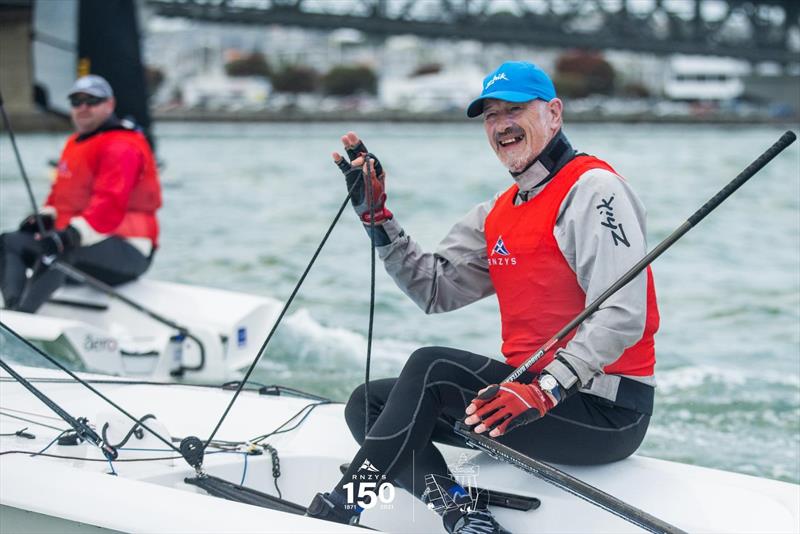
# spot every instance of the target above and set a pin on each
(500, 255)
(62, 170)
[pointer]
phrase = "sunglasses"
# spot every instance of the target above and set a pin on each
(77, 100)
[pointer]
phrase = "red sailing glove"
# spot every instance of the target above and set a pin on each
(357, 184)
(511, 404)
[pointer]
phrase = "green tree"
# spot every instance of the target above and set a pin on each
(571, 86)
(581, 73)
(344, 80)
(635, 90)
(153, 78)
(295, 79)
(254, 64)
(427, 68)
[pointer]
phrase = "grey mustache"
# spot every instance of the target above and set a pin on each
(513, 130)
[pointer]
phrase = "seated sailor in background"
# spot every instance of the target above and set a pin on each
(100, 215)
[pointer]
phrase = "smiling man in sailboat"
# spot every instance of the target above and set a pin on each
(563, 232)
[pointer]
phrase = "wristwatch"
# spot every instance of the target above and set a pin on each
(550, 386)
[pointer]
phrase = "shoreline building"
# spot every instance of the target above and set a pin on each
(704, 79)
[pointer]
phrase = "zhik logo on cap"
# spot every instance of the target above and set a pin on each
(496, 77)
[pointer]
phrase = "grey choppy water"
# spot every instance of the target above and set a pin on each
(246, 205)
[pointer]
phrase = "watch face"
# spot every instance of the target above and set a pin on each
(547, 382)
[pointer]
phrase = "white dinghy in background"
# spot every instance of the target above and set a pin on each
(74, 491)
(99, 333)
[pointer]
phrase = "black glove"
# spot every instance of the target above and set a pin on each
(30, 226)
(356, 184)
(61, 242)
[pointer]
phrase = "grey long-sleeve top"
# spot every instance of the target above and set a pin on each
(600, 230)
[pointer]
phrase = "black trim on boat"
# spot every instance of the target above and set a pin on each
(78, 304)
(149, 354)
(277, 390)
(511, 501)
(218, 487)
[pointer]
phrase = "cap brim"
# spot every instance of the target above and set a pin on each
(476, 106)
(99, 93)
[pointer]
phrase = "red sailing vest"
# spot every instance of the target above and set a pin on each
(127, 212)
(536, 288)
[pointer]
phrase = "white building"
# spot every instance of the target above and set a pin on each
(700, 78)
(452, 88)
(221, 92)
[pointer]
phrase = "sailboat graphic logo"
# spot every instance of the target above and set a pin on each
(500, 248)
(367, 466)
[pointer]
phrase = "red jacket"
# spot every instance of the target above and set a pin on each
(536, 288)
(111, 180)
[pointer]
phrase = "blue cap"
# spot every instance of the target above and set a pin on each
(514, 81)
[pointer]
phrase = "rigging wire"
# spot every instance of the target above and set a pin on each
(273, 389)
(244, 469)
(224, 446)
(308, 408)
(80, 424)
(32, 413)
(66, 457)
(276, 467)
(281, 315)
(87, 385)
(51, 443)
(24, 174)
(31, 421)
(371, 202)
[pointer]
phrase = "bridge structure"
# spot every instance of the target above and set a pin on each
(752, 30)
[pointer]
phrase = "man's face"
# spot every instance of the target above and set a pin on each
(518, 131)
(89, 112)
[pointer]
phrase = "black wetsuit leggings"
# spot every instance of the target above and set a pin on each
(113, 261)
(432, 392)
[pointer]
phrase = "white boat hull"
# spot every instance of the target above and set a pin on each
(105, 335)
(152, 496)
